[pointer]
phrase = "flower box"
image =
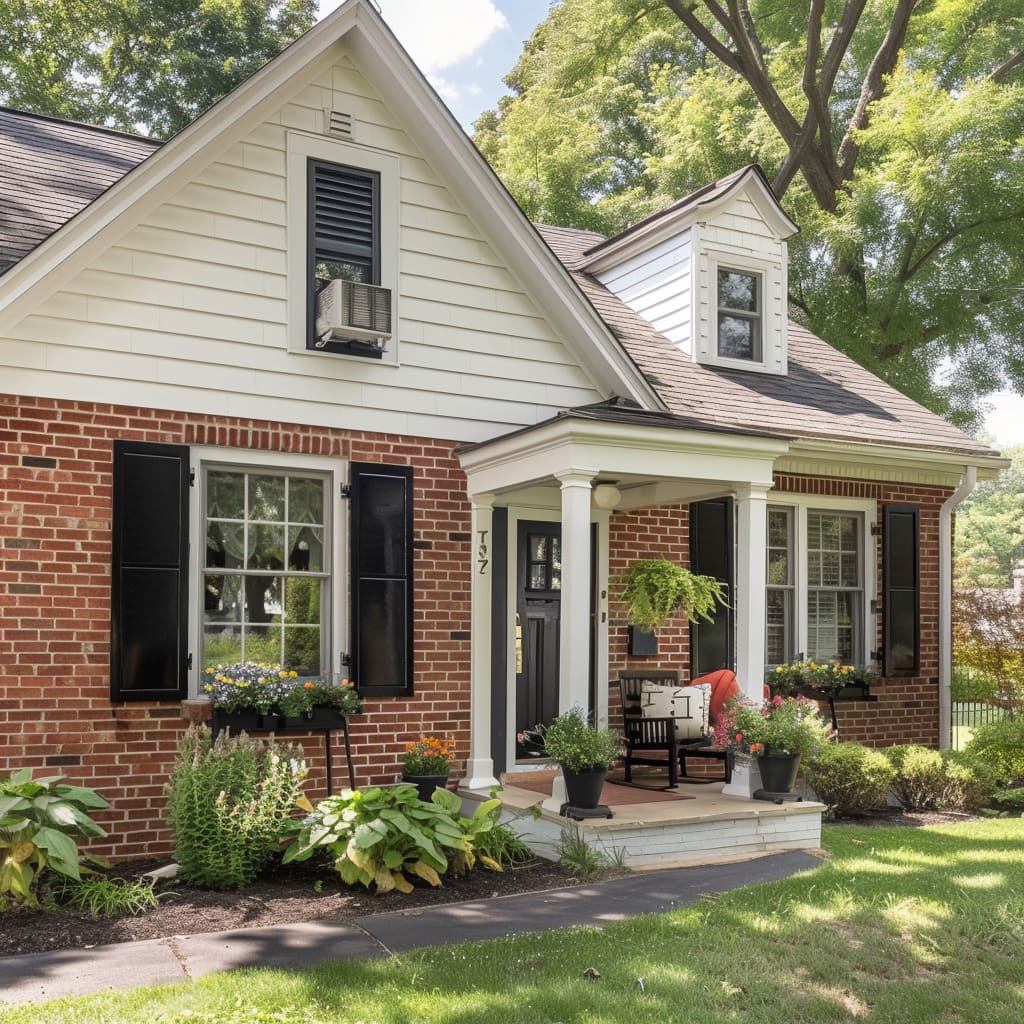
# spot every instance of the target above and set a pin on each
(246, 720)
(317, 718)
(855, 691)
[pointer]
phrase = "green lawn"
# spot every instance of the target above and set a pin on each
(900, 925)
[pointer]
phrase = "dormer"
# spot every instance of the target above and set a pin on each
(709, 273)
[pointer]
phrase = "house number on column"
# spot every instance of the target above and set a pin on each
(481, 552)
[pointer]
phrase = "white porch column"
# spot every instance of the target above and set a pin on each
(751, 541)
(574, 636)
(480, 767)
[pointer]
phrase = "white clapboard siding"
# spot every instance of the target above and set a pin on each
(656, 285)
(188, 310)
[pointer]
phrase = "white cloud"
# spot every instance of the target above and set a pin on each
(441, 33)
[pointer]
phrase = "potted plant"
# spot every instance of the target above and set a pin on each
(426, 764)
(778, 733)
(584, 753)
(825, 680)
(319, 703)
(655, 590)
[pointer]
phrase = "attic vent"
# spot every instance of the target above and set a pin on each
(339, 124)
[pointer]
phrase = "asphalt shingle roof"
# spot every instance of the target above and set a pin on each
(49, 170)
(826, 394)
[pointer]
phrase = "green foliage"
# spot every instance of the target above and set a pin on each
(904, 175)
(783, 725)
(988, 638)
(153, 66)
(969, 686)
(850, 778)
(501, 844)
(577, 745)
(1009, 801)
(969, 783)
(827, 676)
(578, 856)
(382, 837)
(990, 529)
(40, 819)
(230, 802)
(1001, 745)
(108, 897)
(655, 590)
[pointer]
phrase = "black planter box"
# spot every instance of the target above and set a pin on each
(856, 691)
(317, 718)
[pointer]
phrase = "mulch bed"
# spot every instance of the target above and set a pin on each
(302, 892)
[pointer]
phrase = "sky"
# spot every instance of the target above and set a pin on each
(466, 47)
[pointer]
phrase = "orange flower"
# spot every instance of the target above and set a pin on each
(308, 686)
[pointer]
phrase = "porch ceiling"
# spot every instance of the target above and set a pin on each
(650, 463)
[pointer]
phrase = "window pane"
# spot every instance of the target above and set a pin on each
(327, 270)
(556, 563)
(302, 601)
(736, 337)
(222, 598)
(737, 291)
(225, 495)
(538, 548)
(302, 650)
(221, 646)
(305, 501)
(266, 498)
(305, 549)
(831, 625)
(266, 547)
(778, 630)
(538, 577)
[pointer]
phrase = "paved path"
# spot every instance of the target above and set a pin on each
(39, 976)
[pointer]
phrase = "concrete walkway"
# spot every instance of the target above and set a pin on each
(39, 976)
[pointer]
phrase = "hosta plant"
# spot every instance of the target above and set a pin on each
(382, 837)
(40, 821)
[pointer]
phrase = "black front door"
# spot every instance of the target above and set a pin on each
(538, 613)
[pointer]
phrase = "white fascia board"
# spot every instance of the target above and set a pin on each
(593, 447)
(664, 228)
(889, 459)
(440, 137)
(112, 214)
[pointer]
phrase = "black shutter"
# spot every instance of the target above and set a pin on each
(149, 589)
(901, 633)
(711, 554)
(345, 213)
(382, 597)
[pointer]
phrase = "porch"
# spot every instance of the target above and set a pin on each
(660, 828)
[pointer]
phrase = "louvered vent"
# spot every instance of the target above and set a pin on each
(344, 198)
(339, 123)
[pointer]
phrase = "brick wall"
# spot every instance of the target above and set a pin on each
(55, 511)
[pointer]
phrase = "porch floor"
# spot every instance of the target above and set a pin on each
(695, 823)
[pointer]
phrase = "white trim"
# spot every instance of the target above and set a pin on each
(335, 471)
(867, 509)
(301, 148)
(967, 484)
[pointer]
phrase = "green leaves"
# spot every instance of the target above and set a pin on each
(39, 821)
(380, 836)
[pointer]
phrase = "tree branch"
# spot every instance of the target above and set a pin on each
(874, 84)
(1007, 68)
(703, 35)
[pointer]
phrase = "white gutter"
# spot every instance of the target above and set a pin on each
(967, 483)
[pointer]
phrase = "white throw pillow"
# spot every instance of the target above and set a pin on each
(688, 705)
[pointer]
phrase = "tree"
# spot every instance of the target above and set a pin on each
(149, 67)
(891, 131)
(990, 529)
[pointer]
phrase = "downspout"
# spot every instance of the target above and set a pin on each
(967, 483)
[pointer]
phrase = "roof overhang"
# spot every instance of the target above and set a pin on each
(681, 216)
(641, 459)
(382, 59)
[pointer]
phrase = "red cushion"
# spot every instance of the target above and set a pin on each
(723, 688)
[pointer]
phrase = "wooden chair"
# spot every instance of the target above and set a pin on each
(653, 740)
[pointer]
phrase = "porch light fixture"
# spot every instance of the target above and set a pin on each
(607, 496)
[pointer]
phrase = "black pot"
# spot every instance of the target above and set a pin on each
(583, 789)
(426, 784)
(778, 772)
(318, 717)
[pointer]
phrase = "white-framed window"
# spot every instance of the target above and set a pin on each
(342, 225)
(820, 579)
(266, 537)
(739, 302)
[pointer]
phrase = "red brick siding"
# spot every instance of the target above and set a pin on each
(55, 511)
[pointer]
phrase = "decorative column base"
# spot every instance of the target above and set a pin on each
(746, 779)
(558, 797)
(479, 774)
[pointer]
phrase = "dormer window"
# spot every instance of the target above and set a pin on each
(739, 315)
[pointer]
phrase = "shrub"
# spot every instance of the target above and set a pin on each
(577, 745)
(230, 805)
(40, 819)
(1000, 744)
(376, 836)
(850, 778)
(968, 783)
(920, 776)
(1009, 801)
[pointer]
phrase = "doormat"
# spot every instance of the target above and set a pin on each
(615, 794)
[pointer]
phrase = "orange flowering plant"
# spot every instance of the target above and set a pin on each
(305, 694)
(782, 725)
(427, 756)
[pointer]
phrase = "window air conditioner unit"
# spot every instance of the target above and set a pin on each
(350, 310)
